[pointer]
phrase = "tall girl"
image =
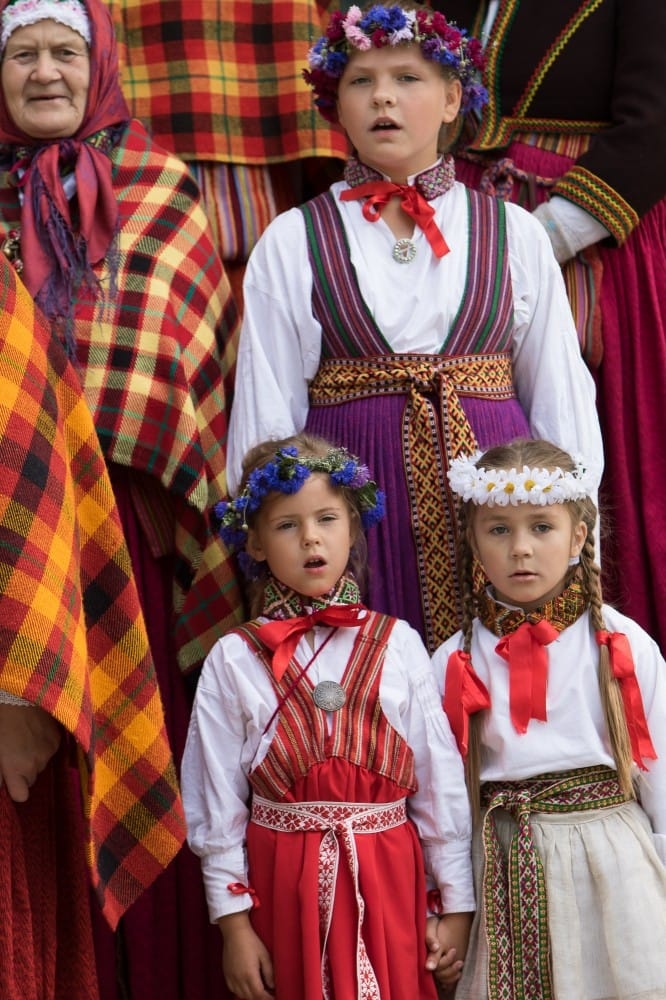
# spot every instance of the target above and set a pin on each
(319, 772)
(400, 314)
(558, 703)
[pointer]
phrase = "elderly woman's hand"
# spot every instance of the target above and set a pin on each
(29, 737)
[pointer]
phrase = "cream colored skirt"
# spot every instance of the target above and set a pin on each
(606, 892)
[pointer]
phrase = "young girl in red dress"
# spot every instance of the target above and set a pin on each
(323, 788)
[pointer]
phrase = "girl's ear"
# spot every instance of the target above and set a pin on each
(578, 538)
(253, 546)
(452, 101)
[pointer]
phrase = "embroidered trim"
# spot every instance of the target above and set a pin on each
(599, 199)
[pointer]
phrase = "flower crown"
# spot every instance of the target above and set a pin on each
(501, 487)
(286, 473)
(381, 25)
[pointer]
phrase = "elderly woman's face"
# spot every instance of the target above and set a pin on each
(45, 78)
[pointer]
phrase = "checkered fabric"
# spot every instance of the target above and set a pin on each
(157, 365)
(221, 79)
(72, 637)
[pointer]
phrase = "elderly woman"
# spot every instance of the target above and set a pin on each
(108, 233)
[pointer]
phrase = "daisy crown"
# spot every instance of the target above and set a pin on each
(504, 487)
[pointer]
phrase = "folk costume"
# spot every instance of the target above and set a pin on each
(590, 915)
(73, 644)
(241, 115)
(111, 239)
(577, 113)
(308, 809)
(406, 363)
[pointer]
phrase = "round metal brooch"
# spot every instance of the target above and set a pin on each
(404, 251)
(329, 696)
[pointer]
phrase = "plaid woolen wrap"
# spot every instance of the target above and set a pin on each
(72, 637)
(156, 357)
(222, 81)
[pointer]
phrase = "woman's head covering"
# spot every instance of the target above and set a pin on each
(20, 13)
(58, 255)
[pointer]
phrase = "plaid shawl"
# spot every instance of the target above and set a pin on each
(72, 638)
(156, 358)
(221, 79)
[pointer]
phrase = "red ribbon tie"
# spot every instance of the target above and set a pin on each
(464, 694)
(283, 636)
(379, 193)
(622, 667)
(525, 652)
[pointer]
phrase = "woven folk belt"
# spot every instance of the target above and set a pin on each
(515, 890)
(340, 822)
(433, 415)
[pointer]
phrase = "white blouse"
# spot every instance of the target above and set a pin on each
(575, 733)
(234, 702)
(414, 305)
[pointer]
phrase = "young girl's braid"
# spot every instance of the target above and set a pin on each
(466, 568)
(609, 688)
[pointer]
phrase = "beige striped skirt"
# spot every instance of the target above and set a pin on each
(606, 904)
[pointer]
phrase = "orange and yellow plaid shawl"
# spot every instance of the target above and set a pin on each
(221, 80)
(72, 637)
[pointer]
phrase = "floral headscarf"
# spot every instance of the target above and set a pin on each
(57, 257)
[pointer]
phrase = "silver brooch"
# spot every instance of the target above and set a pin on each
(329, 696)
(404, 251)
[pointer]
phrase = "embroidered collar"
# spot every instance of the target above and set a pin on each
(562, 611)
(282, 602)
(432, 182)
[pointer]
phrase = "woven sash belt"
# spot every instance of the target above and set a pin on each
(340, 822)
(514, 890)
(433, 417)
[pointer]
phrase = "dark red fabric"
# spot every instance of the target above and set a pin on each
(46, 948)
(165, 947)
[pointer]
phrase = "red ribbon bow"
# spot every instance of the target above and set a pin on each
(238, 889)
(379, 193)
(622, 667)
(464, 694)
(525, 652)
(283, 636)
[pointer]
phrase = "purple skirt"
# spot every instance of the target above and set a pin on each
(372, 429)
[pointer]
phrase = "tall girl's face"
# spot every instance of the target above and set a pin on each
(392, 103)
(525, 550)
(305, 537)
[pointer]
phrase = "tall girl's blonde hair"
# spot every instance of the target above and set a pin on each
(543, 454)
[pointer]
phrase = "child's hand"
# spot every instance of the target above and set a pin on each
(248, 968)
(446, 940)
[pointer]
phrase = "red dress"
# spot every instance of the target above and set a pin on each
(370, 943)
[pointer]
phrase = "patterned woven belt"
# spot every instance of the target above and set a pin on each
(340, 822)
(433, 386)
(514, 890)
